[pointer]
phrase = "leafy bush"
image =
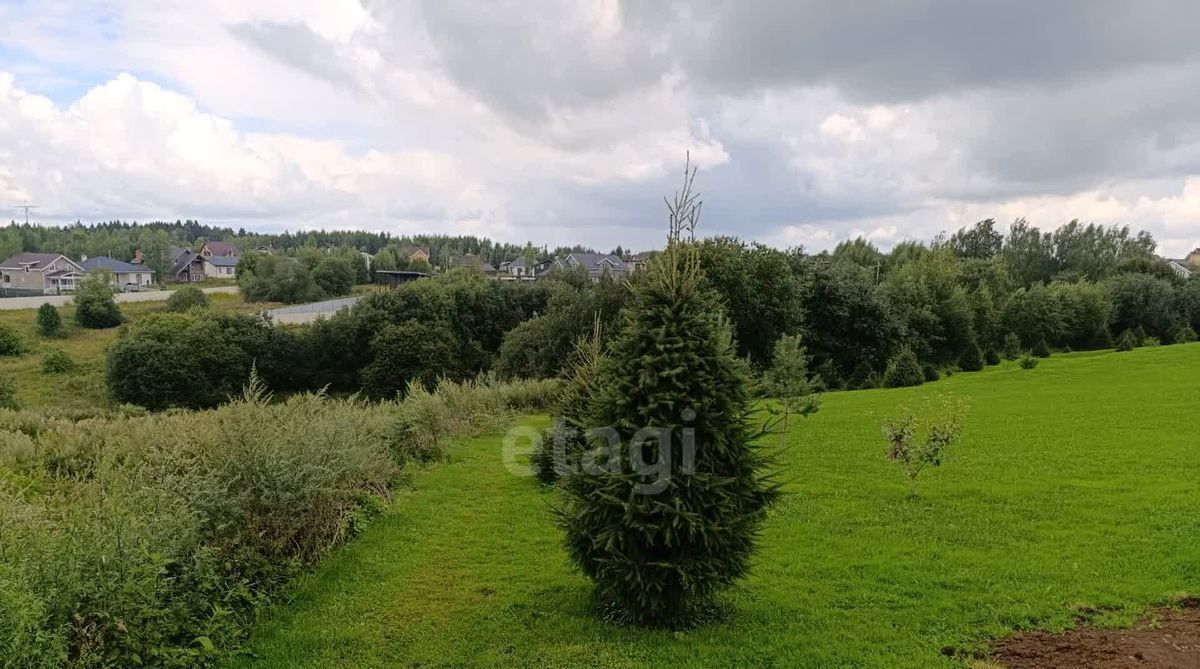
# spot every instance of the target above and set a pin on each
(864, 376)
(1012, 346)
(1139, 336)
(56, 361)
(991, 358)
(1028, 361)
(1183, 335)
(187, 298)
(1127, 341)
(48, 320)
(1041, 349)
(277, 279)
(8, 394)
(334, 276)
(95, 307)
(658, 544)
(930, 372)
(903, 371)
(157, 537)
(194, 360)
(915, 443)
(971, 359)
(10, 342)
(410, 352)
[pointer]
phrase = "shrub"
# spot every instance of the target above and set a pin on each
(1139, 335)
(10, 342)
(187, 298)
(95, 307)
(56, 361)
(8, 394)
(659, 544)
(930, 372)
(194, 360)
(334, 276)
(413, 351)
(1183, 335)
(1127, 341)
(915, 444)
(1012, 346)
(164, 532)
(1041, 349)
(49, 321)
(971, 360)
(864, 377)
(1028, 361)
(991, 358)
(903, 371)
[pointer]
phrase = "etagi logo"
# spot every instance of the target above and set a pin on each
(652, 454)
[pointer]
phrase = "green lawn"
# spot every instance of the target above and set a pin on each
(83, 388)
(1076, 491)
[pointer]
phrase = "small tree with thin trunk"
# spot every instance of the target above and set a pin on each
(915, 443)
(787, 379)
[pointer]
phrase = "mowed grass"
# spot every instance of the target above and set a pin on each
(1075, 492)
(83, 388)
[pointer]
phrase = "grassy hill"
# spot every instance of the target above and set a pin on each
(1072, 496)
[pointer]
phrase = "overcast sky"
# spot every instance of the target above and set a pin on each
(563, 121)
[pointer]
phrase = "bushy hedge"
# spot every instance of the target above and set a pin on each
(95, 306)
(129, 539)
(56, 361)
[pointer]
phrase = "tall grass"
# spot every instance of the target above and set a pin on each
(136, 540)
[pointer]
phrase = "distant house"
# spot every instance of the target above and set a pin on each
(219, 250)
(220, 267)
(634, 262)
(1193, 259)
(367, 258)
(187, 266)
(394, 277)
(475, 263)
(1180, 267)
(40, 273)
(415, 252)
(519, 270)
(125, 276)
(596, 264)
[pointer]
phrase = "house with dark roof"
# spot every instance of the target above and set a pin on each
(596, 264)
(519, 269)
(220, 267)
(216, 249)
(187, 266)
(126, 276)
(40, 274)
(473, 262)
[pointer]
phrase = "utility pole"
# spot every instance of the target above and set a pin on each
(26, 207)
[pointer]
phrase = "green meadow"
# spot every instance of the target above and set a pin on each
(1072, 496)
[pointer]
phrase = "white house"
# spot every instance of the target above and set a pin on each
(220, 267)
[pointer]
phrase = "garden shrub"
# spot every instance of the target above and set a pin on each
(1041, 349)
(1028, 361)
(56, 361)
(903, 371)
(49, 321)
(971, 360)
(10, 342)
(413, 351)
(1127, 341)
(864, 376)
(95, 307)
(991, 358)
(187, 298)
(1183, 335)
(659, 545)
(1139, 336)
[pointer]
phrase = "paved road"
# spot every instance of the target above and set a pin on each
(307, 313)
(10, 303)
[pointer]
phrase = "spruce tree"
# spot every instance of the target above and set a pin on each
(660, 541)
(971, 359)
(48, 320)
(1012, 346)
(904, 370)
(1041, 349)
(558, 453)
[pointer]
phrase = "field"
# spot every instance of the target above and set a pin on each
(1071, 497)
(83, 388)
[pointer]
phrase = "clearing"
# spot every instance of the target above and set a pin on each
(1072, 498)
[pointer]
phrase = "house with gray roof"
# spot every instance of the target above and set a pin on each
(596, 264)
(39, 274)
(126, 276)
(220, 267)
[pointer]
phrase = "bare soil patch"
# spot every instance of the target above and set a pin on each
(1165, 639)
